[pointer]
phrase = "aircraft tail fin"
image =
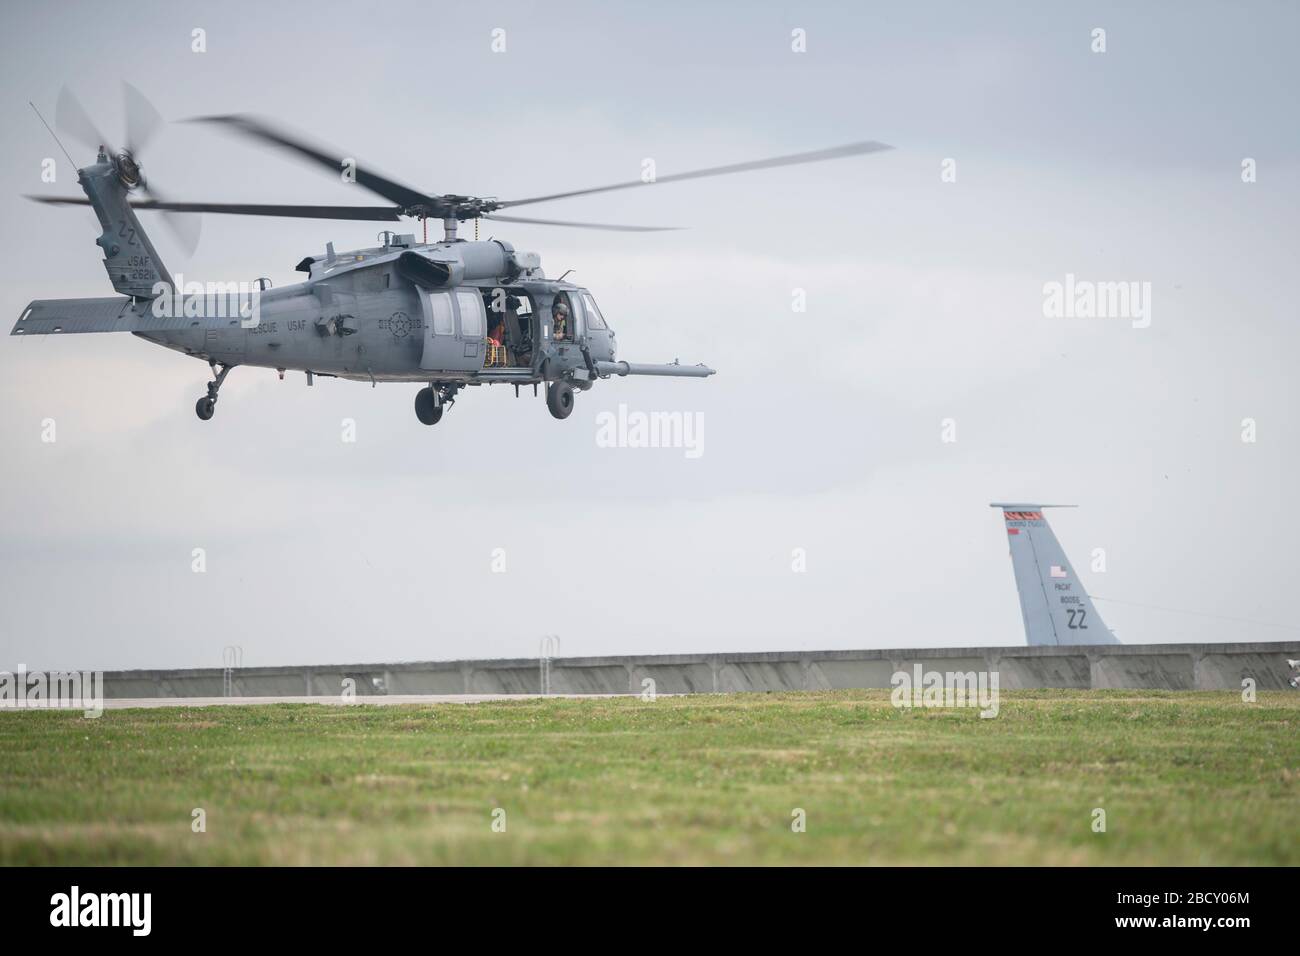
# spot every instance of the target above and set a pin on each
(1055, 607)
(132, 262)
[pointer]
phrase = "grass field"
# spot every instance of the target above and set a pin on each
(1184, 778)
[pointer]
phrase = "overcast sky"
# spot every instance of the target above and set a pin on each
(822, 430)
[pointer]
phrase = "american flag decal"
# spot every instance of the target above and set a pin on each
(1023, 515)
(1058, 571)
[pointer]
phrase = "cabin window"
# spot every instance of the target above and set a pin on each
(440, 312)
(473, 321)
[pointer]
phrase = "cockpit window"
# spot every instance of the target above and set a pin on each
(594, 319)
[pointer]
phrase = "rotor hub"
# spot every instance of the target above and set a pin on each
(128, 170)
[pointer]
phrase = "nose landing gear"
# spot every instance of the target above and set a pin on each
(559, 399)
(206, 406)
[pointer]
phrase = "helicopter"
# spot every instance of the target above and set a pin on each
(448, 314)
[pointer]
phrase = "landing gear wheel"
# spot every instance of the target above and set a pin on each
(559, 399)
(206, 406)
(428, 407)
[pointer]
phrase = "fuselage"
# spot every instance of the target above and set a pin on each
(410, 313)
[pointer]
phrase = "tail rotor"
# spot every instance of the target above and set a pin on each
(142, 123)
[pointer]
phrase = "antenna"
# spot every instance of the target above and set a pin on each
(56, 138)
(566, 272)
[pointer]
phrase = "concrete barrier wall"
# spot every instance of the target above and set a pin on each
(1139, 667)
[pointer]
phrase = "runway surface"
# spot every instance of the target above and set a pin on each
(122, 703)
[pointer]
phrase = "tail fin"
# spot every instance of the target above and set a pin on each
(133, 264)
(1056, 608)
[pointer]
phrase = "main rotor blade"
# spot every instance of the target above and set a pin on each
(184, 227)
(142, 120)
(71, 117)
(403, 196)
(817, 156)
(362, 213)
(579, 225)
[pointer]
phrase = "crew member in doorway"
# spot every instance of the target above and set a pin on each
(496, 340)
(560, 318)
